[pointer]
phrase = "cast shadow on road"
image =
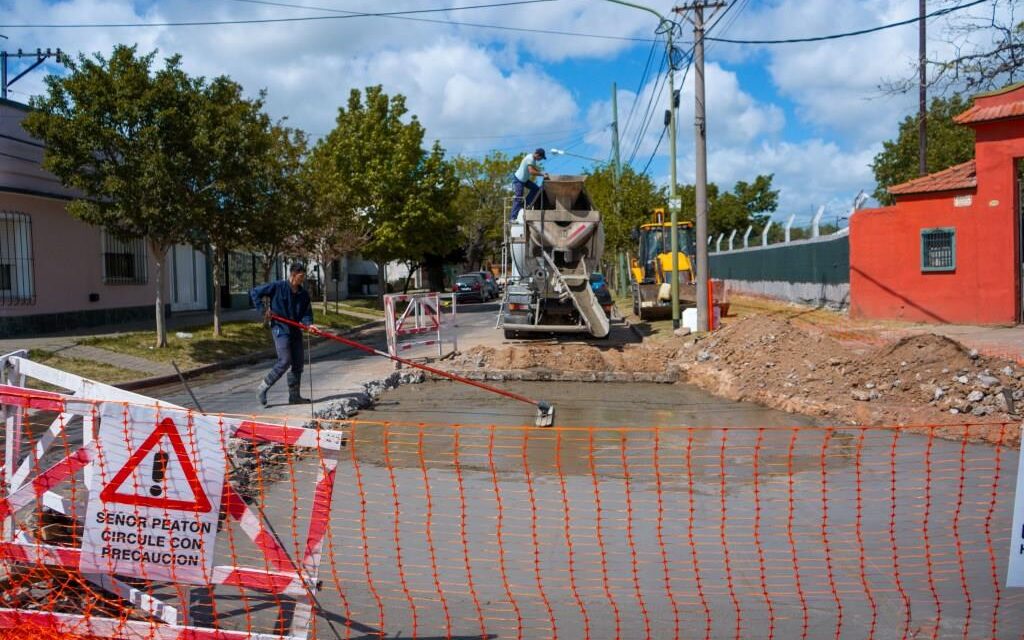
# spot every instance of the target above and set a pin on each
(277, 612)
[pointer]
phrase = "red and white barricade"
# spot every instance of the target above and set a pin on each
(43, 467)
(427, 320)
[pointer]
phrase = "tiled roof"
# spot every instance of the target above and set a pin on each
(979, 113)
(955, 178)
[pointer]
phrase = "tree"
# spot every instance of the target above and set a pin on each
(637, 198)
(400, 194)
(987, 53)
(332, 222)
(121, 134)
(748, 204)
(948, 144)
(282, 211)
(234, 142)
(479, 205)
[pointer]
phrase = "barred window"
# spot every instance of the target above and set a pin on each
(938, 249)
(16, 285)
(241, 272)
(124, 261)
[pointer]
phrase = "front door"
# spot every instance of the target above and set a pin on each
(188, 282)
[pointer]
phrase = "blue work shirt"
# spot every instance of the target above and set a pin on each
(286, 303)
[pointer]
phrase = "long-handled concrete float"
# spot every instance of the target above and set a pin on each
(545, 411)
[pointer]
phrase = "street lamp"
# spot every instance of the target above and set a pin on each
(668, 28)
(563, 152)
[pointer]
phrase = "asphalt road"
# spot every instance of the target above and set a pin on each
(336, 370)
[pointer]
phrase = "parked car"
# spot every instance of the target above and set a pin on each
(600, 288)
(471, 286)
(490, 282)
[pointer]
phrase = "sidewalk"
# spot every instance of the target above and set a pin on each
(997, 341)
(67, 344)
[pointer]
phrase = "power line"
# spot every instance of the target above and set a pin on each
(655, 152)
(458, 23)
(640, 85)
(204, 23)
(859, 32)
(645, 121)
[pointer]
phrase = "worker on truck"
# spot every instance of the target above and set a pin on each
(286, 299)
(523, 178)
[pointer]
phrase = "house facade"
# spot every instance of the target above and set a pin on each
(58, 273)
(950, 249)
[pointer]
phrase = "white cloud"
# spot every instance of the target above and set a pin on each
(479, 89)
(456, 86)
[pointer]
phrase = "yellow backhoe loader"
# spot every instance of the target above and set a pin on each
(651, 267)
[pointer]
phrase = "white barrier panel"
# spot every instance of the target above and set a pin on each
(157, 489)
(423, 322)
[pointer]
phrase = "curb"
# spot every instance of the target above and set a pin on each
(249, 358)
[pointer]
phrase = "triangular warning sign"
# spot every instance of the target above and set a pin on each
(166, 428)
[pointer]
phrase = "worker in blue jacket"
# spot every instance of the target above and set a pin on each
(287, 299)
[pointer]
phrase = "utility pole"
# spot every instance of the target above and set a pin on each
(667, 27)
(673, 201)
(697, 17)
(922, 94)
(5, 57)
(622, 267)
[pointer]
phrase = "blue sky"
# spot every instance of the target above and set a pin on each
(812, 114)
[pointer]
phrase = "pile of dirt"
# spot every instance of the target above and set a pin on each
(920, 380)
(566, 357)
(923, 380)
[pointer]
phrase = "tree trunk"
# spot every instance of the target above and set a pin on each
(159, 257)
(324, 261)
(218, 277)
(382, 284)
(435, 273)
(266, 265)
(408, 277)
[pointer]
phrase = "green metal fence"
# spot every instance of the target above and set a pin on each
(815, 271)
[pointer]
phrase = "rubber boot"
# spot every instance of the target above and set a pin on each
(261, 392)
(294, 397)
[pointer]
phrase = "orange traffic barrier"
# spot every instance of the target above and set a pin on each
(357, 529)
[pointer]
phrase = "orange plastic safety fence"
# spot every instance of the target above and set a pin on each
(418, 531)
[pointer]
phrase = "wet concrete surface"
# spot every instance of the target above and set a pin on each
(581, 404)
(768, 527)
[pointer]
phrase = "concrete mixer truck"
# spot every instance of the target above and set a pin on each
(552, 247)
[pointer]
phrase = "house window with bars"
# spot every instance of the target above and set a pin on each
(938, 249)
(124, 261)
(16, 285)
(241, 272)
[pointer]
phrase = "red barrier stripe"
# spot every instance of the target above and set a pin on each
(31, 398)
(320, 518)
